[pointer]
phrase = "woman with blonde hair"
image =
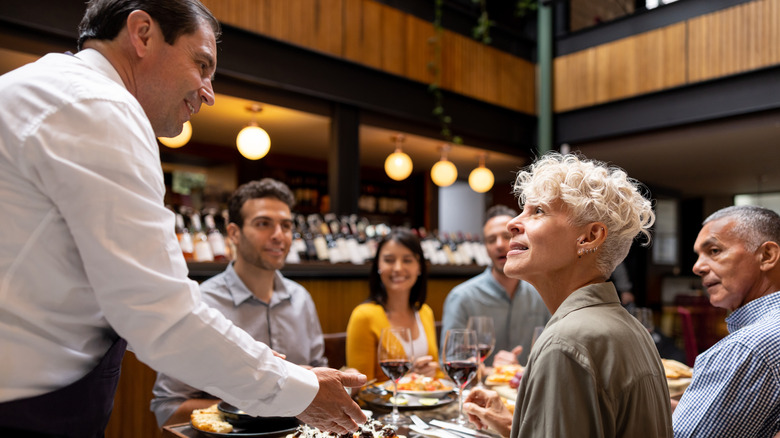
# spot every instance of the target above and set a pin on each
(594, 371)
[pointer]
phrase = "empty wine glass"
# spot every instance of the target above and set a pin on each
(394, 354)
(460, 358)
(486, 340)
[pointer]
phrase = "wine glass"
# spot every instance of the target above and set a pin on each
(394, 354)
(460, 357)
(486, 340)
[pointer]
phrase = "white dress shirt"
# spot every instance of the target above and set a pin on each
(87, 248)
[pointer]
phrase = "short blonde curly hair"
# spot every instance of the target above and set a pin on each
(593, 192)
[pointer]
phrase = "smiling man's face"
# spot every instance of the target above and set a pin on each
(730, 274)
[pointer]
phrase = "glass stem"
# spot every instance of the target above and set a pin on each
(460, 403)
(395, 398)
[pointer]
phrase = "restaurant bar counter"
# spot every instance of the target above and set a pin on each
(335, 288)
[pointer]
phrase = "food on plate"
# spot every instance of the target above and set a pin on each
(210, 420)
(503, 374)
(428, 401)
(419, 383)
(370, 429)
(676, 370)
(400, 400)
(510, 404)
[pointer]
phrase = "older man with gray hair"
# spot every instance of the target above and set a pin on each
(735, 389)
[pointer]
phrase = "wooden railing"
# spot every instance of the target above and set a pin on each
(378, 36)
(722, 43)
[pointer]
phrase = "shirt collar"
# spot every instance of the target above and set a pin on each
(240, 293)
(590, 295)
(100, 63)
(753, 311)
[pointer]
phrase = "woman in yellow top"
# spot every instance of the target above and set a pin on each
(397, 289)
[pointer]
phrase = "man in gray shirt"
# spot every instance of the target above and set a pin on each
(515, 305)
(253, 293)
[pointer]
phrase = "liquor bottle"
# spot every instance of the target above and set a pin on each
(202, 248)
(297, 247)
(184, 237)
(320, 244)
(216, 239)
(310, 252)
(334, 252)
(230, 247)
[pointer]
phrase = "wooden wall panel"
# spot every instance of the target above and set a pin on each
(574, 80)
(722, 43)
(385, 38)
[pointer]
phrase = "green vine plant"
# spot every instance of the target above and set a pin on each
(481, 32)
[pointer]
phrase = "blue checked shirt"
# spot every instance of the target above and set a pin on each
(735, 391)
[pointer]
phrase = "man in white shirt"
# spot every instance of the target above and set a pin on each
(88, 255)
(253, 294)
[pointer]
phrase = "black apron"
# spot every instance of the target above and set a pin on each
(79, 410)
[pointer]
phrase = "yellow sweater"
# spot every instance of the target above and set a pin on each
(363, 330)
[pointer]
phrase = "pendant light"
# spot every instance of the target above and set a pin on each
(253, 142)
(398, 165)
(181, 139)
(444, 173)
(481, 178)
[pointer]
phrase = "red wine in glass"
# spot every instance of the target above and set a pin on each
(395, 369)
(484, 351)
(461, 371)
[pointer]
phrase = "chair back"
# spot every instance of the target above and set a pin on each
(691, 351)
(336, 349)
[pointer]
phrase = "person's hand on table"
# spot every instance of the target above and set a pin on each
(504, 357)
(486, 410)
(426, 366)
(332, 409)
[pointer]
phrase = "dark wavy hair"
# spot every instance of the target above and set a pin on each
(104, 19)
(264, 188)
(377, 292)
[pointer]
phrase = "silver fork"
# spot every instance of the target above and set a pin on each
(423, 428)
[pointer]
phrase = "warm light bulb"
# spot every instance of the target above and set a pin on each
(481, 179)
(444, 173)
(181, 139)
(398, 165)
(253, 142)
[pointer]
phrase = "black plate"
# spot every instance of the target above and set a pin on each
(248, 426)
(382, 400)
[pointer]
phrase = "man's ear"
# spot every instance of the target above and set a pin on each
(232, 230)
(769, 255)
(140, 28)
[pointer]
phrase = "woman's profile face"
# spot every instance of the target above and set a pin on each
(543, 243)
(398, 266)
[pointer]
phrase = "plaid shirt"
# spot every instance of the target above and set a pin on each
(735, 391)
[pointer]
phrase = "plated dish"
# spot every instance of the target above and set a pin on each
(381, 399)
(415, 384)
(225, 420)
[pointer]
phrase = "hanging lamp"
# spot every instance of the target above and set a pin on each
(181, 139)
(481, 178)
(444, 172)
(252, 141)
(398, 165)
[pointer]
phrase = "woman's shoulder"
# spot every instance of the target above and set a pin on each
(367, 309)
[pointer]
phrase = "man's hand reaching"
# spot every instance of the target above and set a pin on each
(332, 409)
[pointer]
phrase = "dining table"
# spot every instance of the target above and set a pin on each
(374, 404)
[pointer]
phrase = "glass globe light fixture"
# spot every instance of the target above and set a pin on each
(181, 139)
(252, 141)
(444, 172)
(481, 178)
(398, 165)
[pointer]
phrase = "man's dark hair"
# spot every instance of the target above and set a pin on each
(377, 291)
(104, 19)
(499, 210)
(264, 188)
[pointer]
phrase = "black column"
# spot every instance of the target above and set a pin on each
(344, 159)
